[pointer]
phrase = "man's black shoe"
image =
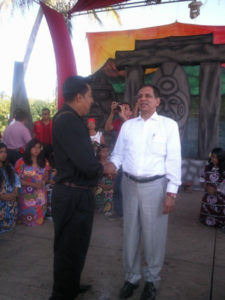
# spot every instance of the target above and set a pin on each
(149, 292)
(84, 288)
(127, 290)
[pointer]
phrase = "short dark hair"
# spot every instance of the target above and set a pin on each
(20, 115)
(155, 89)
(100, 147)
(127, 103)
(74, 85)
(46, 109)
(16, 111)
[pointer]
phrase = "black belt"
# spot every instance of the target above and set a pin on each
(144, 179)
(71, 184)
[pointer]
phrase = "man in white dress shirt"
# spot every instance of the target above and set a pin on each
(148, 149)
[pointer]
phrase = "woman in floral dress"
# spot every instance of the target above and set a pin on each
(33, 171)
(212, 211)
(9, 184)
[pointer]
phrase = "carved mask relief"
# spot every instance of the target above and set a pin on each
(172, 82)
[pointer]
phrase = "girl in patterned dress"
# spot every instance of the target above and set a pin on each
(104, 192)
(9, 184)
(33, 171)
(212, 211)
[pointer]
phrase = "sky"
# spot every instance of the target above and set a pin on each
(41, 81)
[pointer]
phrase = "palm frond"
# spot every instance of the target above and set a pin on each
(96, 17)
(69, 25)
(12, 5)
(114, 14)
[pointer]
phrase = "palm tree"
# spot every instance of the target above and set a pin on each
(19, 96)
(23, 5)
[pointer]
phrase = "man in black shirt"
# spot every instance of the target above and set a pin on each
(78, 171)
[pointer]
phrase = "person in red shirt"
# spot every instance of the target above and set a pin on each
(124, 112)
(43, 128)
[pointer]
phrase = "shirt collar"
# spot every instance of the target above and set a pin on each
(155, 116)
(18, 123)
(67, 107)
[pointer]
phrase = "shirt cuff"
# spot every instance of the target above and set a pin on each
(172, 195)
(172, 188)
(117, 165)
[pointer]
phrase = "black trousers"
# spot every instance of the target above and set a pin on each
(72, 211)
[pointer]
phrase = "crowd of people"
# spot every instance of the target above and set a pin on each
(27, 163)
(30, 157)
(28, 169)
(64, 170)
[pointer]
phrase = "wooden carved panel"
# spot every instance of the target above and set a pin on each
(134, 80)
(210, 102)
(172, 82)
(103, 95)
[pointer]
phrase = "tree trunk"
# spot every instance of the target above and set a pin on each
(32, 38)
(19, 96)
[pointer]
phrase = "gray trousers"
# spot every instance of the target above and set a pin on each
(143, 217)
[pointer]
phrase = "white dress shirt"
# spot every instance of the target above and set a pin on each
(150, 147)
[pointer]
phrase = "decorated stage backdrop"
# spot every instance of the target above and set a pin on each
(103, 45)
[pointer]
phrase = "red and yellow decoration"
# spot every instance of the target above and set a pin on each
(103, 45)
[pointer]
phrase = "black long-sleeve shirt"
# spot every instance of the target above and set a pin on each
(73, 151)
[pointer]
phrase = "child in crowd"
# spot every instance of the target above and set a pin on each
(104, 193)
(212, 211)
(96, 136)
(50, 184)
(9, 184)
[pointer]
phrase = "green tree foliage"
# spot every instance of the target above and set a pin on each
(4, 113)
(35, 107)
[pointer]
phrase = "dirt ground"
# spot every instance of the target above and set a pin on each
(194, 266)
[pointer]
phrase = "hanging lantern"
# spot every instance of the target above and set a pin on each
(195, 9)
